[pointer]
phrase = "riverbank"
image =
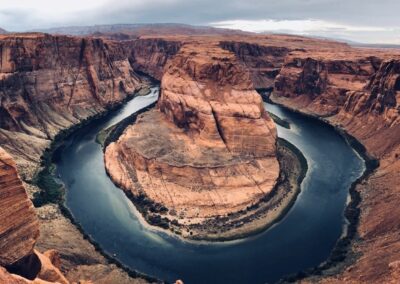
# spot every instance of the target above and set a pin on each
(112, 212)
(81, 256)
(270, 210)
(342, 254)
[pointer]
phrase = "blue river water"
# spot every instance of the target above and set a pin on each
(302, 239)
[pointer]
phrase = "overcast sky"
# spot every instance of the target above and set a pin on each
(372, 21)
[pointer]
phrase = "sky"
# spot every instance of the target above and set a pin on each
(369, 21)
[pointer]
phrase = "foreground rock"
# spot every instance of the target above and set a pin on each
(207, 152)
(19, 227)
(19, 230)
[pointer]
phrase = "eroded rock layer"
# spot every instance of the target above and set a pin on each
(19, 227)
(360, 94)
(49, 83)
(19, 230)
(209, 149)
(149, 55)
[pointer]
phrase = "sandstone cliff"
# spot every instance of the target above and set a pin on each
(19, 230)
(209, 149)
(359, 93)
(19, 227)
(49, 83)
(264, 62)
(149, 55)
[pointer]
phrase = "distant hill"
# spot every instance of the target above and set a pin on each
(3, 31)
(127, 31)
(360, 44)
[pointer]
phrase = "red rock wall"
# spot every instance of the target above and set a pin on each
(263, 62)
(149, 55)
(49, 83)
(215, 99)
(323, 82)
(19, 227)
(365, 96)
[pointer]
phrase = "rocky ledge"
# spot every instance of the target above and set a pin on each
(19, 231)
(207, 155)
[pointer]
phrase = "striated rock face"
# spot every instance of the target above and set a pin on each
(149, 55)
(49, 83)
(381, 95)
(216, 101)
(324, 81)
(19, 227)
(209, 149)
(263, 62)
(19, 230)
(360, 95)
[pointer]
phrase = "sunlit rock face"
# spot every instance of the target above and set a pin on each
(19, 230)
(208, 150)
(209, 94)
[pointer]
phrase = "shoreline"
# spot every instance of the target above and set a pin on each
(341, 254)
(45, 169)
(260, 221)
(264, 220)
(256, 222)
(352, 205)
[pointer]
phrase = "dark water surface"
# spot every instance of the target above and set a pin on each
(304, 238)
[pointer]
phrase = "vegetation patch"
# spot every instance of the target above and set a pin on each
(103, 134)
(282, 122)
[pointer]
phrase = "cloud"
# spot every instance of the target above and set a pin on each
(297, 26)
(367, 34)
(351, 17)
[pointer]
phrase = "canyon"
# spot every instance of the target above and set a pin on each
(48, 84)
(366, 105)
(208, 116)
(210, 146)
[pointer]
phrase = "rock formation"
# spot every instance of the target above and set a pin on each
(323, 82)
(19, 230)
(19, 227)
(209, 149)
(264, 62)
(149, 55)
(49, 83)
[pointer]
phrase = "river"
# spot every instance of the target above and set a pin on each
(302, 239)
